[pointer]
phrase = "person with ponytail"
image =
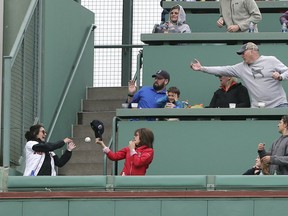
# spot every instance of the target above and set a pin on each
(40, 158)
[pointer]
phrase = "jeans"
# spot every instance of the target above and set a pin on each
(284, 105)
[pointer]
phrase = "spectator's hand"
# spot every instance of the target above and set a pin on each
(131, 145)
(71, 146)
(266, 159)
(67, 140)
(220, 22)
(170, 105)
(261, 146)
(195, 65)
(276, 75)
(100, 142)
(233, 28)
(132, 87)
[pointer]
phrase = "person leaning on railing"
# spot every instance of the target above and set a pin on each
(262, 76)
(237, 15)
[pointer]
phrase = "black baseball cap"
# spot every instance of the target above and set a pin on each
(98, 128)
(162, 74)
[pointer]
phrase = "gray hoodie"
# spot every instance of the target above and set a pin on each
(180, 26)
(279, 156)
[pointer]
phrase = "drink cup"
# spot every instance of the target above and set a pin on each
(125, 105)
(134, 105)
(232, 105)
(261, 104)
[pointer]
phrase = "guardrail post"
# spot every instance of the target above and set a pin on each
(4, 179)
(210, 183)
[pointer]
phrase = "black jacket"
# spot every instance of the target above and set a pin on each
(236, 94)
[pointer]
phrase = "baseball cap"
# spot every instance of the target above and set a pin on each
(247, 46)
(98, 128)
(162, 74)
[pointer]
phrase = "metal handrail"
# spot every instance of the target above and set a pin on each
(115, 119)
(111, 143)
(22, 30)
(119, 46)
(68, 85)
(139, 66)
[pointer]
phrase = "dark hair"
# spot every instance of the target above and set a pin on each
(146, 137)
(33, 132)
(175, 7)
(174, 89)
(285, 119)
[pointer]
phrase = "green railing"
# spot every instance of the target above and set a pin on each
(147, 183)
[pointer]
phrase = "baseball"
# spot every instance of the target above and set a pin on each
(87, 139)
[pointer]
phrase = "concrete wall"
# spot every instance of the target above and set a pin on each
(202, 147)
(146, 206)
(65, 27)
(14, 12)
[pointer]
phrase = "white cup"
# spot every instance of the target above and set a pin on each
(232, 105)
(125, 105)
(261, 104)
(134, 105)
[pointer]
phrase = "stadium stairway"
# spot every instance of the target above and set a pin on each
(101, 104)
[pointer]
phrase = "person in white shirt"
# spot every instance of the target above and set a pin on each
(40, 158)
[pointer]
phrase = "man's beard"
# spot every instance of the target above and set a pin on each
(158, 87)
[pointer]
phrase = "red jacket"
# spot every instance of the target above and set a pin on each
(135, 164)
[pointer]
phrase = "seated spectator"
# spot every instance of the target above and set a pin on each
(171, 100)
(147, 96)
(256, 169)
(284, 18)
(230, 92)
(165, 11)
(176, 23)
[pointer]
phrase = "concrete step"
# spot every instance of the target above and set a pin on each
(85, 118)
(87, 156)
(101, 105)
(104, 93)
(84, 169)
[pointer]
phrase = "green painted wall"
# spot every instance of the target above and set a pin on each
(147, 206)
(14, 12)
(207, 22)
(65, 27)
(195, 86)
(202, 147)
